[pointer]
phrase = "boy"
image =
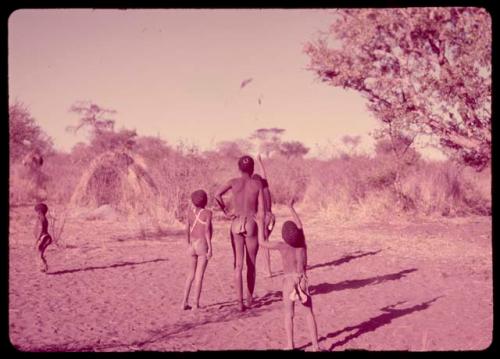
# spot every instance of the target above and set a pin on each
(42, 235)
(199, 241)
(294, 256)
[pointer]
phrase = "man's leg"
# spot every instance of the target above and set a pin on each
(238, 267)
(252, 246)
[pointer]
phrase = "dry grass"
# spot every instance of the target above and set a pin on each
(343, 188)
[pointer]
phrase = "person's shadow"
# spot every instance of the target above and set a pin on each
(390, 313)
(344, 259)
(324, 288)
(123, 264)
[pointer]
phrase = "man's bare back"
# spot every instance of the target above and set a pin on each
(245, 195)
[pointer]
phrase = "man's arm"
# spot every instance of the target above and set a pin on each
(218, 196)
(260, 214)
(294, 214)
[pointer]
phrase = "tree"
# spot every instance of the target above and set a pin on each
(92, 116)
(423, 71)
(351, 142)
(25, 135)
(269, 139)
(293, 149)
(234, 149)
(103, 137)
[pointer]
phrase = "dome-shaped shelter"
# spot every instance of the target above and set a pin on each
(118, 180)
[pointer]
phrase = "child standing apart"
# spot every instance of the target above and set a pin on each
(41, 232)
(293, 252)
(199, 241)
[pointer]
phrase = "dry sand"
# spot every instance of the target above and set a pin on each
(420, 285)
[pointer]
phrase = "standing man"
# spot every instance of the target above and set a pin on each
(269, 218)
(246, 226)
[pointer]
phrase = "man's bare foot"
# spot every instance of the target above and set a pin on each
(186, 307)
(249, 301)
(242, 307)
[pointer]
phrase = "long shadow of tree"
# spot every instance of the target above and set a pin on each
(344, 259)
(389, 314)
(324, 288)
(123, 264)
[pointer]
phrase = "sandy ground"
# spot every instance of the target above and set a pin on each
(419, 286)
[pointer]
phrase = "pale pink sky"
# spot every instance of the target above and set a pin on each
(177, 73)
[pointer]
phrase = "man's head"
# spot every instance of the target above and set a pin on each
(245, 164)
(41, 208)
(199, 198)
(292, 234)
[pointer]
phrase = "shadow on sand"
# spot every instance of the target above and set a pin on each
(344, 259)
(324, 288)
(389, 314)
(123, 264)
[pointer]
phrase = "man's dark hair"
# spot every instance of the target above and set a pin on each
(245, 164)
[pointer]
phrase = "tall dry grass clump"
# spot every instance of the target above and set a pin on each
(359, 188)
(27, 181)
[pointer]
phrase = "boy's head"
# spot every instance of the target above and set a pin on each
(245, 164)
(199, 198)
(292, 234)
(41, 208)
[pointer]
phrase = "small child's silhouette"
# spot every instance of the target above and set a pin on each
(41, 233)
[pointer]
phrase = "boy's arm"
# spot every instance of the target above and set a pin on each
(188, 230)
(294, 214)
(271, 244)
(36, 229)
(218, 196)
(208, 233)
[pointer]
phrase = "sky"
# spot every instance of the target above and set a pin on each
(176, 74)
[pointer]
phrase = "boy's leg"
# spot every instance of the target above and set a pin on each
(267, 254)
(43, 246)
(200, 271)
(44, 261)
(313, 330)
(189, 281)
(288, 309)
(238, 241)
